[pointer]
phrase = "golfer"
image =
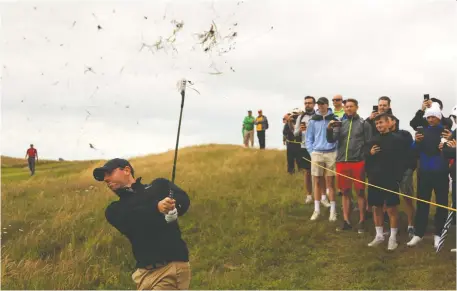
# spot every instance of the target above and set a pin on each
(162, 257)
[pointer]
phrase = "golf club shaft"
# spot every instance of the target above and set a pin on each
(177, 143)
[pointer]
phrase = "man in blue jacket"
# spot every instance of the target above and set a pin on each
(433, 172)
(323, 153)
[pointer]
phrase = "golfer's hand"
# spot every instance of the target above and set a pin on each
(374, 150)
(171, 216)
(419, 137)
(166, 205)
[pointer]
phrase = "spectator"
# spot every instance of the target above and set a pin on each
(322, 153)
(284, 121)
(293, 143)
(406, 184)
(453, 118)
(433, 172)
(300, 130)
(141, 215)
(383, 107)
(419, 120)
(384, 168)
(449, 153)
(248, 129)
(338, 108)
(351, 137)
(32, 156)
(344, 107)
(261, 123)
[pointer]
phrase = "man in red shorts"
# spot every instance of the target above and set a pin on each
(31, 155)
(352, 134)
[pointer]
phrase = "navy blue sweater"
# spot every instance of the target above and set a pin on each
(430, 157)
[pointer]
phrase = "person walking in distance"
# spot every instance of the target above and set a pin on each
(300, 130)
(248, 129)
(261, 123)
(140, 214)
(32, 157)
(385, 168)
(351, 135)
(410, 159)
(433, 172)
(322, 153)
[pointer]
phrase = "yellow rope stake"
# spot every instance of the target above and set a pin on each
(429, 202)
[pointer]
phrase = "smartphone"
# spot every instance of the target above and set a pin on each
(375, 108)
(420, 129)
(426, 96)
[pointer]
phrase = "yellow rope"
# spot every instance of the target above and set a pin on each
(401, 194)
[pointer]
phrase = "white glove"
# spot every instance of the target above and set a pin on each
(171, 216)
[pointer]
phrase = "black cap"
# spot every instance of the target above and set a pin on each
(322, 100)
(99, 173)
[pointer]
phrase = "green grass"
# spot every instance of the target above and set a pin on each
(247, 228)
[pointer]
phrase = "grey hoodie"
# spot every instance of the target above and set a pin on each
(351, 137)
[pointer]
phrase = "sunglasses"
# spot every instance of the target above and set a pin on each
(336, 100)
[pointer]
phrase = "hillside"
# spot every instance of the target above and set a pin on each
(247, 228)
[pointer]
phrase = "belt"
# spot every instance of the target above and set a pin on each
(157, 265)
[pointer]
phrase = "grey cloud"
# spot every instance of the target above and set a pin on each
(362, 49)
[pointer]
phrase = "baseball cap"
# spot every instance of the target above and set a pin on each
(99, 173)
(322, 100)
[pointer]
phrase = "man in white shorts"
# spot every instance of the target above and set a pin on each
(322, 153)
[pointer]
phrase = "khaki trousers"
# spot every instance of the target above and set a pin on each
(174, 276)
(249, 137)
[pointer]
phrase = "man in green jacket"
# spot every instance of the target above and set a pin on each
(248, 129)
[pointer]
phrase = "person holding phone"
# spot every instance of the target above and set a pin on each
(420, 120)
(300, 130)
(410, 162)
(322, 153)
(292, 142)
(433, 173)
(351, 135)
(382, 107)
(384, 167)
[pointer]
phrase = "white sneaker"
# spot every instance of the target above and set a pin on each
(325, 203)
(414, 241)
(453, 250)
(332, 216)
(392, 245)
(376, 241)
(309, 200)
(315, 215)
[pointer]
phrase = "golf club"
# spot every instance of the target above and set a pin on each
(173, 214)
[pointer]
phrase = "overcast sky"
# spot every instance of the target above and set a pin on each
(282, 51)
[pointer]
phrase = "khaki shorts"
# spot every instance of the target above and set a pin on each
(326, 160)
(174, 276)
